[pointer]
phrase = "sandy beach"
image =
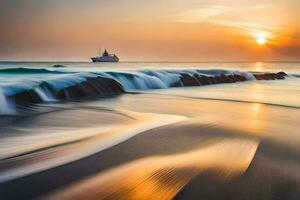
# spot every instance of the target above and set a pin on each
(200, 149)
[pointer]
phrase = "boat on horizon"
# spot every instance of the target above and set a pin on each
(106, 57)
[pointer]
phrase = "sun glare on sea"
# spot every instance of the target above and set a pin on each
(261, 40)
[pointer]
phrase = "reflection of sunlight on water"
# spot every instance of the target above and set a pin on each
(259, 66)
(256, 115)
(256, 108)
(255, 122)
(162, 177)
(255, 91)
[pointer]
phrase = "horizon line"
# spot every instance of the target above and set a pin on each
(150, 61)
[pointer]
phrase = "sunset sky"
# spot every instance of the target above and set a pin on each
(150, 30)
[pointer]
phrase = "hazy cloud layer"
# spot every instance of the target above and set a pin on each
(149, 30)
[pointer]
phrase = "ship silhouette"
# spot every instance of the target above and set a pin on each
(106, 57)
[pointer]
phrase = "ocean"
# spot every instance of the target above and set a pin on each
(240, 119)
(21, 76)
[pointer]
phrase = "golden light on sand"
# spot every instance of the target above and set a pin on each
(163, 177)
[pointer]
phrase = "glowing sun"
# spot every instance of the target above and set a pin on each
(261, 40)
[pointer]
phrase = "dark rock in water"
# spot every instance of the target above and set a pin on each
(198, 78)
(270, 76)
(231, 78)
(72, 92)
(224, 79)
(25, 97)
(202, 80)
(92, 87)
(58, 66)
(106, 85)
(281, 74)
(188, 80)
(218, 79)
(237, 77)
(212, 80)
(258, 77)
(280, 77)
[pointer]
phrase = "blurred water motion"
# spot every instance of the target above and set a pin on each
(162, 177)
(67, 146)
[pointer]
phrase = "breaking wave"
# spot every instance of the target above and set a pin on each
(65, 86)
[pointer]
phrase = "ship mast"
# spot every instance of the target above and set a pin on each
(100, 50)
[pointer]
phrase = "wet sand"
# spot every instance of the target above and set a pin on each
(221, 150)
(162, 177)
(166, 146)
(87, 142)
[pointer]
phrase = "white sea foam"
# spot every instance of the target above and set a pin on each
(6, 108)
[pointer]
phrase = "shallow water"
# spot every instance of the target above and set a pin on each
(281, 92)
